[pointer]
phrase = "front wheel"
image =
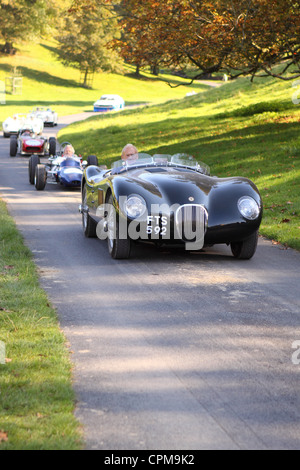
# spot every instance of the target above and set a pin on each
(52, 146)
(119, 248)
(40, 177)
(88, 224)
(13, 146)
(92, 160)
(246, 248)
(34, 161)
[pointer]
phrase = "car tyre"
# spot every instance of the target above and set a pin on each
(245, 249)
(52, 146)
(118, 248)
(13, 145)
(92, 160)
(88, 224)
(40, 177)
(34, 161)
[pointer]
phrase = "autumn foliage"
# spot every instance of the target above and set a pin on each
(256, 37)
(236, 36)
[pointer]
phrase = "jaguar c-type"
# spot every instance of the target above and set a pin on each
(164, 199)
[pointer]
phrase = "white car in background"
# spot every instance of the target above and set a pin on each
(109, 103)
(48, 116)
(12, 125)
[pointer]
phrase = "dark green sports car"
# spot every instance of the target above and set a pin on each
(166, 199)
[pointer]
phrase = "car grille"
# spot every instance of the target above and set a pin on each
(33, 149)
(191, 222)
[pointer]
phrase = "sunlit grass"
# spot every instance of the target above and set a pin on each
(36, 396)
(47, 82)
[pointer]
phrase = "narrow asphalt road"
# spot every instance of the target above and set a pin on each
(171, 350)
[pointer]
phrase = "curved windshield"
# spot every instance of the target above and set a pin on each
(179, 160)
(70, 162)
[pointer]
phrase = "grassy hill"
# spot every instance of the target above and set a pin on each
(243, 128)
(47, 82)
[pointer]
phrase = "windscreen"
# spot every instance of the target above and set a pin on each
(179, 160)
(70, 162)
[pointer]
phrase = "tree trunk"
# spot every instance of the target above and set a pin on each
(85, 84)
(8, 48)
(155, 70)
(137, 71)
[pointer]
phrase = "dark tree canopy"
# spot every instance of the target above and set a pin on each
(234, 36)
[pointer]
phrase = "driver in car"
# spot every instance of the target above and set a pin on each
(69, 152)
(28, 132)
(130, 153)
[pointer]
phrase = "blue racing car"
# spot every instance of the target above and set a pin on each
(65, 169)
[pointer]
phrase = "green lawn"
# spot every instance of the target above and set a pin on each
(242, 129)
(36, 396)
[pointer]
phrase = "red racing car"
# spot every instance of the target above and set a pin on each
(27, 143)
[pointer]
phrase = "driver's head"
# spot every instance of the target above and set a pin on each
(68, 151)
(129, 152)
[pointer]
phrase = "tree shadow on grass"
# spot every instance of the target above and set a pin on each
(228, 151)
(235, 145)
(52, 49)
(45, 77)
(42, 77)
(5, 67)
(52, 103)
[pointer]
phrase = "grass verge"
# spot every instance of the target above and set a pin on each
(241, 129)
(36, 395)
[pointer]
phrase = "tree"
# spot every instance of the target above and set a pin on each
(26, 19)
(267, 34)
(249, 37)
(144, 33)
(89, 25)
(232, 36)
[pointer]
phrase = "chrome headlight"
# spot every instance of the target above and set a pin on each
(135, 206)
(248, 207)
